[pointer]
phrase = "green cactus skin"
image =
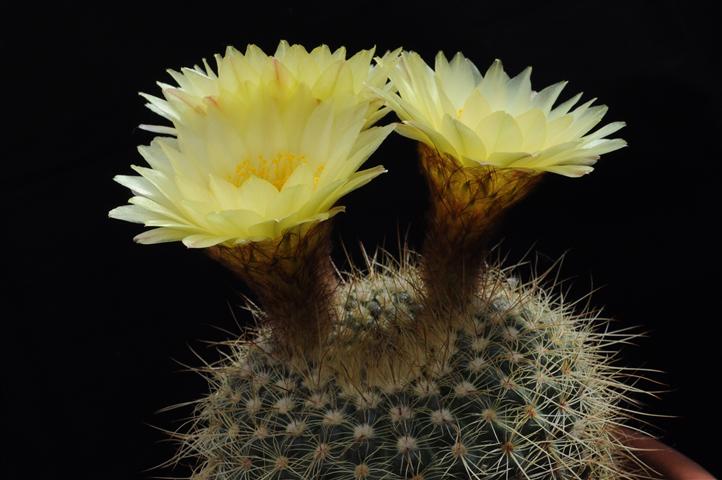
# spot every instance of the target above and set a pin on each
(520, 388)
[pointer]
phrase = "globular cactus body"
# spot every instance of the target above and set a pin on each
(519, 387)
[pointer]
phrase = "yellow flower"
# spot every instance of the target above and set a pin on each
(266, 144)
(496, 120)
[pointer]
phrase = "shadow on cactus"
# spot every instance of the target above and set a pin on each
(437, 365)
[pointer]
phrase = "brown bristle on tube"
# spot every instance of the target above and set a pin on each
(294, 279)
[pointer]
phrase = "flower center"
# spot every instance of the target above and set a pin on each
(275, 169)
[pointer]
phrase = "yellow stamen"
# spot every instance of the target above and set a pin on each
(317, 175)
(276, 169)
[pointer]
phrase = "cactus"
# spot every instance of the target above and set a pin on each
(434, 366)
(518, 387)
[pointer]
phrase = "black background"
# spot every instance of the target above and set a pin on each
(95, 324)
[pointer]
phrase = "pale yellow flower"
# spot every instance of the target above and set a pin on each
(266, 144)
(496, 120)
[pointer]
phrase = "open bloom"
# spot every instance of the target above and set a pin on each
(267, 144)
(496, 120)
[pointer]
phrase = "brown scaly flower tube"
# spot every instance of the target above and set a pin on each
(466, 204)
(295, 282)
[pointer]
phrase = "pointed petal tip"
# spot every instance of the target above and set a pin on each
(392, 55)
(116, 213)
(577, 173)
